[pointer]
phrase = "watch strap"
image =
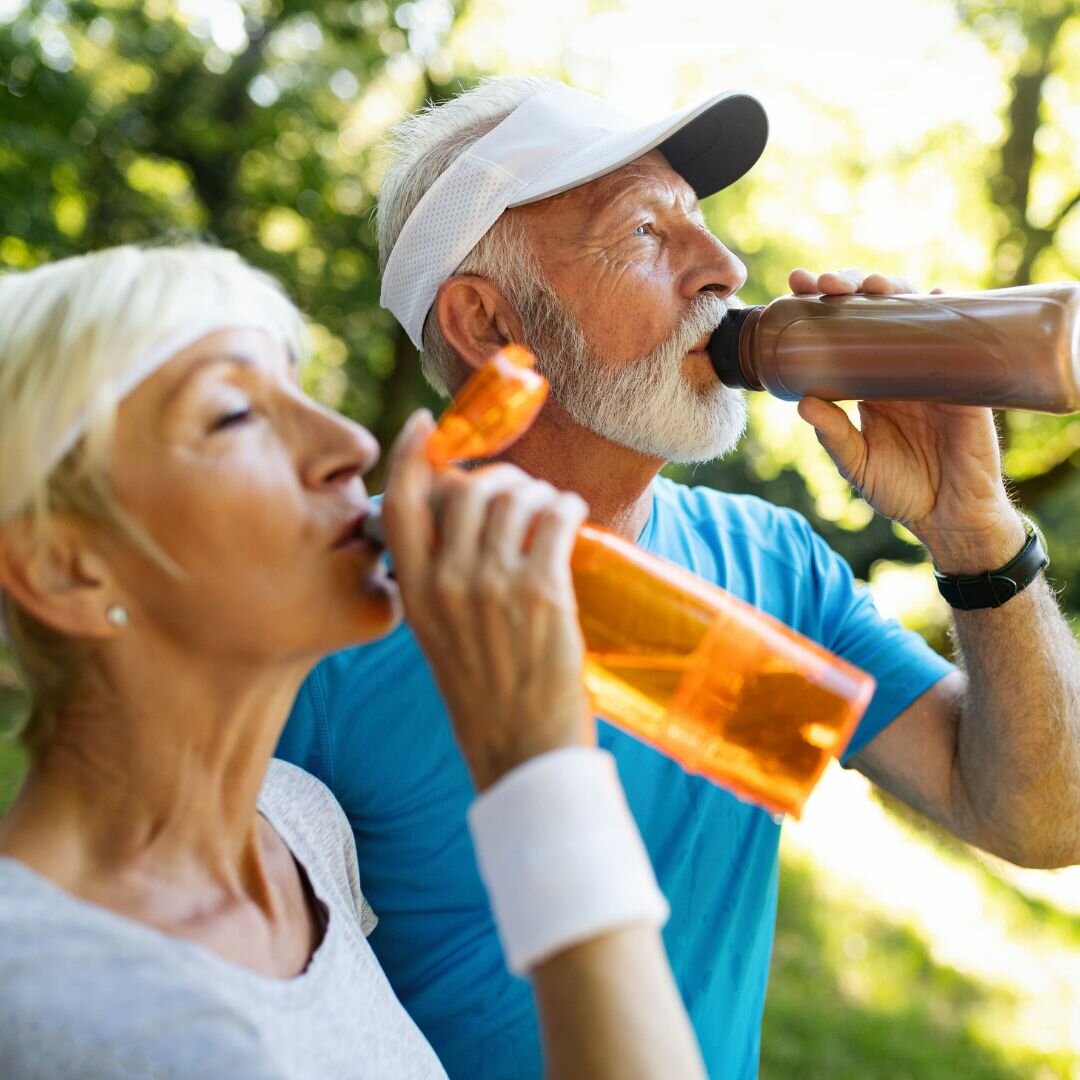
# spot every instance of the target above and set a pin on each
(991, 589)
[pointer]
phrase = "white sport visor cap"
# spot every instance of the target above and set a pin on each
(556, 140)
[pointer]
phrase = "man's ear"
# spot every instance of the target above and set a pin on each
(57, 577)
(475, 318)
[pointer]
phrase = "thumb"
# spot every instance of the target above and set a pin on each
(410, 524)
(842, 440)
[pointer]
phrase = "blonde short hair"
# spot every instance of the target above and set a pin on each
(72, 335)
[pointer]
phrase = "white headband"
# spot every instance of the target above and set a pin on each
(155, 357)
(555, 141)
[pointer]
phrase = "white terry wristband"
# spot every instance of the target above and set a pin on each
(561, 856)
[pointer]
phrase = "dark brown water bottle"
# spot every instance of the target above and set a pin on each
(1013, 348)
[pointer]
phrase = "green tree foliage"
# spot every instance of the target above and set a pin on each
(1034, 187)
(124, 122)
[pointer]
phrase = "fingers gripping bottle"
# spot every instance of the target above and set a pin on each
(704, 677)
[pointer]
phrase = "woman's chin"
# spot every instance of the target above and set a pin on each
(356, 613)
(379, 609)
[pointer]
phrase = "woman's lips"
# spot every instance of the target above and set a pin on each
(354, 533)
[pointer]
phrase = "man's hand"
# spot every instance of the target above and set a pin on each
(992, 755)
(934, 468)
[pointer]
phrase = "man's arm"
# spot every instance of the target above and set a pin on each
(993, 754)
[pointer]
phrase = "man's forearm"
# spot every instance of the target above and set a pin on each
(1017, 760)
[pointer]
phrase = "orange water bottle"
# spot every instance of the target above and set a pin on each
(726, 690)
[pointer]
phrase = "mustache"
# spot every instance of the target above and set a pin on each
(707, 311)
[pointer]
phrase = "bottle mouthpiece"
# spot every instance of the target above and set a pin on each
(724, 348)
(372, 527)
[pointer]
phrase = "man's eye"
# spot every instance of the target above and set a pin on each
(238, 416)
(643, 229)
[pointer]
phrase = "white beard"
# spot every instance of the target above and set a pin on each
(647, 405)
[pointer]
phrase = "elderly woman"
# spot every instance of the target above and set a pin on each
(180, 541)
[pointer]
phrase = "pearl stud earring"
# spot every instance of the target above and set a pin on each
(117, 615)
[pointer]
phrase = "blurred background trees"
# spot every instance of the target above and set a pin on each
(933, 139)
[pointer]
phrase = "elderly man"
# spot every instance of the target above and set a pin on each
(526, 211)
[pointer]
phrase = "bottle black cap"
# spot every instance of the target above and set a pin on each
(724, 348)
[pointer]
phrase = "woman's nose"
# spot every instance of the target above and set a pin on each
(339, 448)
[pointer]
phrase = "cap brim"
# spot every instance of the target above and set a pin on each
(716, 147)
(711, 145)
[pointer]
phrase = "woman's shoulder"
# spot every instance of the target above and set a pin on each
(305, 814)
(303, 811)
(287, 790)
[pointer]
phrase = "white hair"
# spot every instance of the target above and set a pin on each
(71, 332)
(423, 147)
(646, 404)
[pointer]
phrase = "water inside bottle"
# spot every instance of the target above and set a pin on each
(713, 683)
(766, 733)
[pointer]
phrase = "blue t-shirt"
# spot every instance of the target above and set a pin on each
(370, 724)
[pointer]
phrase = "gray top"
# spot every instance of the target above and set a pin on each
(87, 993)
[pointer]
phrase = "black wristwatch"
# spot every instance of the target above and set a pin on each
(994, 587)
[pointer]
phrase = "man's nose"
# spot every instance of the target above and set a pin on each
(712, 267)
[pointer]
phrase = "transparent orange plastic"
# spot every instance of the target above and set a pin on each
(709, 680)
(724, 689)
(492, 410)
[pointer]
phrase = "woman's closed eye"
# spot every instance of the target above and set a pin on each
(232, 418)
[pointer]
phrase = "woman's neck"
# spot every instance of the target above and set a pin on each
(150, 779)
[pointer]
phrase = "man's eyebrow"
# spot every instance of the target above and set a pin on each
(623, 201)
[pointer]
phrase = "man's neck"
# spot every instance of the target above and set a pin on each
(614, 481)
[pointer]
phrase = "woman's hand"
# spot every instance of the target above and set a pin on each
(483, 562)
